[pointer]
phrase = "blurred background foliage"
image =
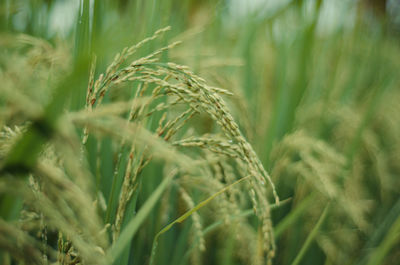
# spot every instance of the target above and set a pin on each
(316, 92)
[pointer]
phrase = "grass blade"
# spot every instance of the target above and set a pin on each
(391, 238)
(132, 227)
(311, 236)
(188, 213)
(294, 215)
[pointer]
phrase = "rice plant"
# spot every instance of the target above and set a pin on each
(219, 135)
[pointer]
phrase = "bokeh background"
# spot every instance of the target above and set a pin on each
(316, 92)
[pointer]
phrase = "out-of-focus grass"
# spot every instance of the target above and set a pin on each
(319, 104)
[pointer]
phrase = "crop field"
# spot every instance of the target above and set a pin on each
(215, 132)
